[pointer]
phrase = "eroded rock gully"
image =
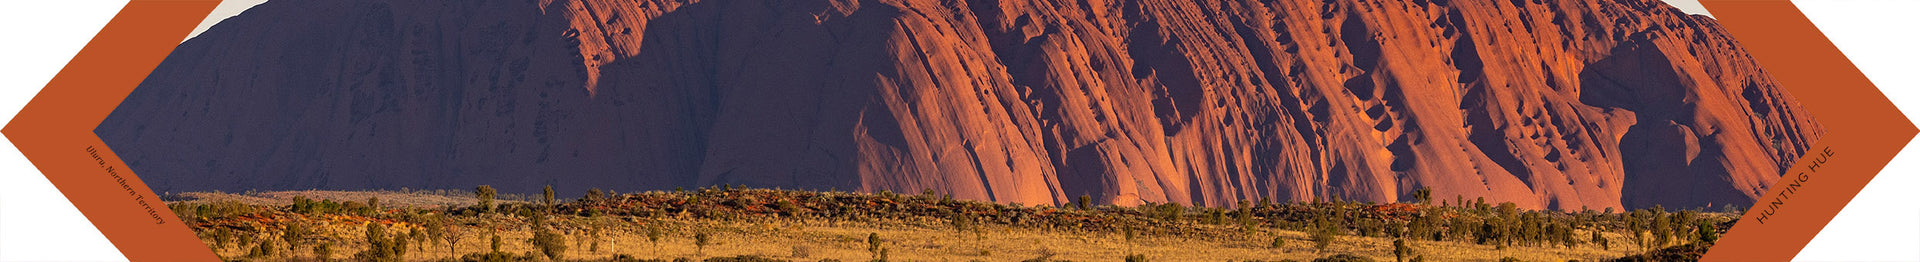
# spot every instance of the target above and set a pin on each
(1559, 104)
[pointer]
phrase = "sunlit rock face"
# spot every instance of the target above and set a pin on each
(1550, 104)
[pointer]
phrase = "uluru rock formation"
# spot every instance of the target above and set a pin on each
(1552, 104)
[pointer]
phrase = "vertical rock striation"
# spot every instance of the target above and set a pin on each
(1550, 104)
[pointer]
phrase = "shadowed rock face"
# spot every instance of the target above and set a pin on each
(1558, 104)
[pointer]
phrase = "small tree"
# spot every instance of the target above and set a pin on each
(436, 227)
(961, 224)
(1245, 217)
(293, 235)
(452, 236)
(1601, 240)
(221, 238)
(1424, 195)
(1400, 250)
(323, 251)
(263, 250)
(595, 195)
(653, 236)
(1322, 237)
(380, 246)
(1086, 202)
(399, 246)
(496, 242)
(1662, 227)
(1171, 211)
(700, 242)
(595, 234)
(418, 238)
(550, 243)
(546, 197)
(373, 203)
(1708, 232)
(486, 194)
(873, 245)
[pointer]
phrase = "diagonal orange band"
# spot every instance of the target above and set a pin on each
(1864, 130)
(55, 130)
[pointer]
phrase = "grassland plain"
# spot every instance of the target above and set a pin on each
(733, 224)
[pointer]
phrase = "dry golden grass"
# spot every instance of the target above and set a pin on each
(933, 241)
(914, 233)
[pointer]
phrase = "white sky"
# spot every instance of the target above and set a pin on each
(227, 8)
(1689, 6)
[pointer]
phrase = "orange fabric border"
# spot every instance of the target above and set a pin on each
(1864, 130)
(55, 130)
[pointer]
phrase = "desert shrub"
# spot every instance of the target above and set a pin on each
(323, 251)
(301, 205)
(264, 249)
(1044, 257)
(653, 237)
(1136, 258)
(1343, 257)
(546, 197)
(960, 222)
(496, 243)
(550, 243)
(485, 194)
(215, 210)
(529, 213)
(1216, 216)
(222, 236)
(1708, 233)
(1661, 226)
(787, 207)
(380, 246)
(1322, 236)
(1171, 211)
(1400, 250)
(1601, 240)
(873, 245)
(293, 235)
(1510, 259)
(1129, 235)
(1245, 217)
(495, 256)
(1424, 195)
(802, 251)
(593, 246)
(744, 258)
(373, 206)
